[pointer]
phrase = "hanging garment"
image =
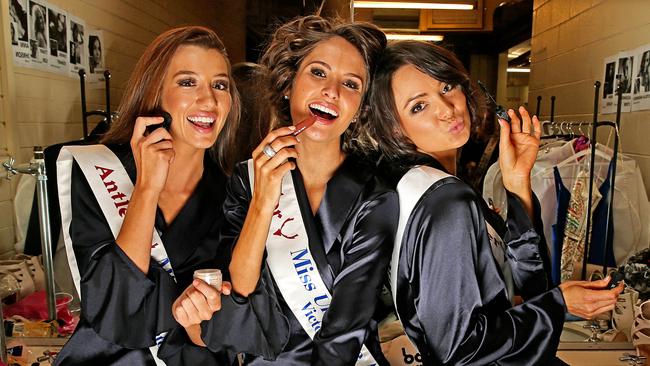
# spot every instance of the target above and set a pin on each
(631, 214)
(599, 224)
(575, 228)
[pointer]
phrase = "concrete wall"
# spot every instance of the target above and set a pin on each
(43, 108)
(570, 40)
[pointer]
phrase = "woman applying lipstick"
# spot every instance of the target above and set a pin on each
(456, 265)
(310, 224)
(127, 286)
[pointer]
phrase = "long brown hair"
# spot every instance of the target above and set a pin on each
(143, 94)
(382, 127)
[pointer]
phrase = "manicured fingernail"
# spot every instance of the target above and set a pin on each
(195, 283)
(292, 128)
(298, 138)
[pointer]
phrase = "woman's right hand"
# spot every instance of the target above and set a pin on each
(197, 303)
(153, 154)
(587, 299)
(270, 171)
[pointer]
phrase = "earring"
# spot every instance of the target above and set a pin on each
(354, 120)
(286, 97)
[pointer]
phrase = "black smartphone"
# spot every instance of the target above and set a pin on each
(498, 109)
(615, 278)
(166, 124)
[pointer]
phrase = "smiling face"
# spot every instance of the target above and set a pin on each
(196, 92)
(328, 84)
(432, 114)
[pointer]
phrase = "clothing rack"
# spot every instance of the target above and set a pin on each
(564, 128)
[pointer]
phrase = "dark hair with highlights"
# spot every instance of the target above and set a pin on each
(143, 94)
(293, 41)
(382, 128)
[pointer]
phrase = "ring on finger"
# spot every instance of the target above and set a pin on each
(269, 151)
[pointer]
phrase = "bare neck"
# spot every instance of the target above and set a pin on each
(317, 163)
(185, 170)
(447, 159)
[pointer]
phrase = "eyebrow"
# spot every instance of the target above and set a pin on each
(409, 100)
(329, 68)
(188, 72)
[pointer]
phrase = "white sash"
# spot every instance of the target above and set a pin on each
(293, 267)
(410, 189)
(112, 188)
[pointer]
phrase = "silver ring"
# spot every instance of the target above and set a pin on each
(268, 151)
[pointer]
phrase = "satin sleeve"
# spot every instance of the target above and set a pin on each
(526, 248)
(459, 293)
(113, 289)
(356, 288)
(255, 324)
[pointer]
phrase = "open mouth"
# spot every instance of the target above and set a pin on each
(323, 112)
(201, 122)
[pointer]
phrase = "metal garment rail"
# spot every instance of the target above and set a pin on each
(595, 124)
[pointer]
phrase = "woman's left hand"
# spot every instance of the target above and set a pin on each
(518, 148)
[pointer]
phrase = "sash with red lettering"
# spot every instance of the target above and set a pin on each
(112, 188)
(293, 267)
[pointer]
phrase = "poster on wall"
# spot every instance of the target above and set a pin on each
(58, 39)
(18, 31)
(624, 71)
(77, 41)
(38, 30)
(608, 101)
(95, 51)
(641, 79)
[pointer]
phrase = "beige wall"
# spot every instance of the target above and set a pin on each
(569, 42)
(43, 108)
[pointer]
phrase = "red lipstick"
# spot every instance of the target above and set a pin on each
(303, 125)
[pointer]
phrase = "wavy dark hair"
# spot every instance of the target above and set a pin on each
(143, 94)
(293, 41)
(381, 127)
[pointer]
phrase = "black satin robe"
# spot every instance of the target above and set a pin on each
(123, 309)
(350, 238)
(451, 293)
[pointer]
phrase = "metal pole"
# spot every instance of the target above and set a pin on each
(552, 107)
(107, 79)
(3, 339)
(46, 236)
(84, 117)
(592, 157)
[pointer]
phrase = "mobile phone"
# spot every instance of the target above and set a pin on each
(166, 124)
(614, 279)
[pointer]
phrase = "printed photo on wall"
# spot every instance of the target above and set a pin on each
(38, 37)
(624, 74)
(641, 79)
(19, 31)
(58, 36)
(608, 103)
(96, 56)
(77, 39)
